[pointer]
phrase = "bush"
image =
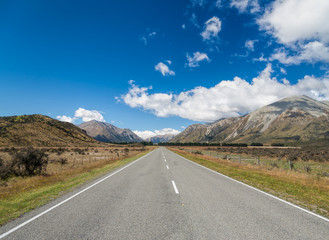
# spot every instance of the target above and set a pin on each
(197, 152)
(277, 144)
(256, 144)
(29, 162)
(5, 170)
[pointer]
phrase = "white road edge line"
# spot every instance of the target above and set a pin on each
(175, 188)
(258, 190)
(68, 199)
(167, 167)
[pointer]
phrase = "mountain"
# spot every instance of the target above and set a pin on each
(41, 131)
(292, 119)
(160, 138)
(106, 132)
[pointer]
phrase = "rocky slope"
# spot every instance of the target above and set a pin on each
(106, 132)
(41, 131)
(288, 120)
(160, 138)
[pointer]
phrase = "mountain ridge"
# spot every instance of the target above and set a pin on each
(40, 131)
(299, 118)
(106, 132)
(160, 138)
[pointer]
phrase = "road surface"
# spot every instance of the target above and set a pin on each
(164, 196)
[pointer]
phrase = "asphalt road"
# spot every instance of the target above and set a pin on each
(163, 196)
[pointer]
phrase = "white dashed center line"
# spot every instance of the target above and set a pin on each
(167, 167)
(175, 188)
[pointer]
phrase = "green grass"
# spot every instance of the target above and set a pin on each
(24, 201)
(306, 191)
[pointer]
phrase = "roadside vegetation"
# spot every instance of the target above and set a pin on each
(306, 186)
(31, 177)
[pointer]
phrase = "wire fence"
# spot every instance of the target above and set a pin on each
(315, 168)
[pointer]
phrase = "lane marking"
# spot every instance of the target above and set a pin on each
(167, 167)
(165, 160)
(256, 189)
(68, 199)
(175, 188)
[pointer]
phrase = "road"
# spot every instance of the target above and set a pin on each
(164, 196)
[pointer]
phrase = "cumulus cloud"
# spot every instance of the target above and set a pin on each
(310, 52)
(226, 99)
(164, 69)
(246, 5)
(88, 115)
(250, 44)
(144, 134)
(211, 29)
(197, 57)
(65, 119)
(296, 20)
(147, 133)
(301, 26)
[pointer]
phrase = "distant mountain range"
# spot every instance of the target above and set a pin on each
(293, 119)
(160, 138)
(41, 131)
(106, 132)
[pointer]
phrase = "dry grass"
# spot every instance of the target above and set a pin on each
(21, 194)
(305, 190)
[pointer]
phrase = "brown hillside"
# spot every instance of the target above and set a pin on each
(41, 131)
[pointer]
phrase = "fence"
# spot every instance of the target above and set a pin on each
(317, 168)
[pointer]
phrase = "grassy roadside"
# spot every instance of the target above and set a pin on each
(39, 190)
(309, 192)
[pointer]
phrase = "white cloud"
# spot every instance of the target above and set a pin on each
(302, 27)
(88, 115)
(211, 29)
(250, 44)
(243, 5)
(65, 119)
(144, 134)
(148, 36)
(147, 133)
(226, 99)
(197, 57)
(260, 59)
(183, 26)
(194, 20)
(310, 52)
(164, 69)
(198, 2)
(166, 131)
(297, 20)
(218, 3)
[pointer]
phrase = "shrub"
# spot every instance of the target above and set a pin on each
(197, 152)
(29, 162)
(5, 170)
(63, 161)
(256, 144)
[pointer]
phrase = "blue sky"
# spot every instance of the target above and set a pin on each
(149, 65)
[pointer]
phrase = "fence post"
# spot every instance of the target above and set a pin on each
(239, 158)
(258, 161)
(290, 165)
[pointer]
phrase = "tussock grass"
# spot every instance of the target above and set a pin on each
(302, 189)
(20, 195)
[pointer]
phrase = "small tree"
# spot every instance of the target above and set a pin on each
(30, 162)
